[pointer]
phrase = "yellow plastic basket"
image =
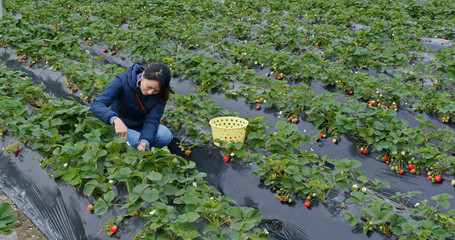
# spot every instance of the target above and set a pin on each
(228, 129)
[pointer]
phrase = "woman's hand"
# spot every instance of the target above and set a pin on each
(142, 146)
(120, 128)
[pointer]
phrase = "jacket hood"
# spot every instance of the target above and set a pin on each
(132, 75)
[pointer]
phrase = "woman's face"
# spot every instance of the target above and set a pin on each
(149, 87)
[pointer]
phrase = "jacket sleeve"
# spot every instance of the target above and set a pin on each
(151, 123)
(100, 107)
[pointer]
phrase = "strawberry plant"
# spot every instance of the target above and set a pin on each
(7, 220)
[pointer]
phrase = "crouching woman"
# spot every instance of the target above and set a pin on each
(134, 103)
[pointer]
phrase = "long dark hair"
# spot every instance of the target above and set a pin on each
(160, 72)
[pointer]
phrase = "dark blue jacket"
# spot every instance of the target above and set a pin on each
(119, 96)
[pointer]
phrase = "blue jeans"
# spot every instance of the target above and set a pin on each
(163, 137)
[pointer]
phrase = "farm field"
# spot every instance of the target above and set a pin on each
(350, 105)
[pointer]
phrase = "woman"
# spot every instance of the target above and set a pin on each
(137, 99)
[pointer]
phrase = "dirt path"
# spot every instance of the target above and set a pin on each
(25, 228)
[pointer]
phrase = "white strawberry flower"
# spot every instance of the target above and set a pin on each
(314, 194)
(280, 112)
(417, 204)
(256, 62)
(232, 154)
(152, 212)
(66, 164)
(364, 189)
(111, 181)
(194, 184)
(403, 153)
(355, 186)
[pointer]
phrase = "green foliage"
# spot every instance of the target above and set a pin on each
(7, 220)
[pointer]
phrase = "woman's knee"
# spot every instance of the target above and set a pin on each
(163, 137)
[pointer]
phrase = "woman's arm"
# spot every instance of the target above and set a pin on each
(100, 107)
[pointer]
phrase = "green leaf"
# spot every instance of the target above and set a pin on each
(88, 189)
(358, 197)
(188, 217)
(443, 199)
(140, 188)
(5, 208)
(100, 207)
(109, 196)
(345, 164)
(210, 228)
(150, 195)
(280, 125)
(353, 219)
(397, 221)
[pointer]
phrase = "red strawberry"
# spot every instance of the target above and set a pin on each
(350, 92)
(113, 53)
(295, 120)
(258, 107)
(74, 89)
(410, 166)
(188, 154)
(31, 65)
(226, 159)
(240, 59)
(148, 15)
(55, 26)
(47, 45)
(317, 46)
(445, 38)
(401, 172)
(90, 207)
(104, 50)
(279, 77)
(280, 199)
(306, 36)
(365, 151)
(430, 178)
(385, 159)
(437, 178)
(113, 229)
(372, 103)
(259, 101)
(307, 204)
(16, 150)
(86, 19)
(291, 118)
(413, 171)
(361, 150)
(321, 135)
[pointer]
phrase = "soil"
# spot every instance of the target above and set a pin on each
(25, 229)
